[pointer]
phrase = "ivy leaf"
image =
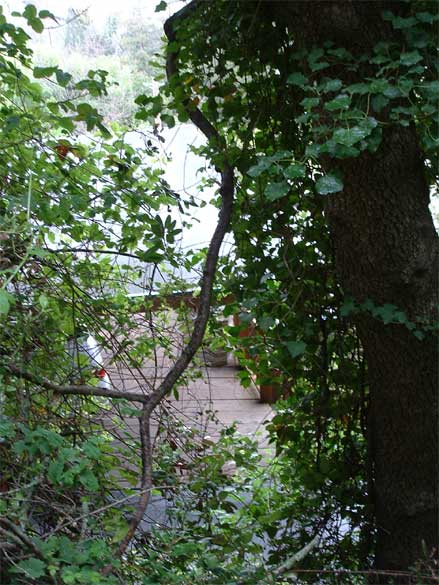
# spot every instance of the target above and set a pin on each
(392, 92)
(337, 150)
(341, 102)
(276, 191)
(264, 163)
(296, 348)
(329, 184)
(360, 88)
(161, 6)
(313, 150)
(332, 85)
(432, 88)
(294, 171)
(401, 23)
(296, 79)
(410, 58)
(266, 322)
(319, 65)
(390, 314)
(374, 140)
(33, 567)
(350, 136)
(379, 102)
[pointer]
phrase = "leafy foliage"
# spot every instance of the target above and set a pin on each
(287, 116)
(84, 216)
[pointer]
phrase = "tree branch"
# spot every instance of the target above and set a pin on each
(76, 389)
(298, 556)
(205, 297)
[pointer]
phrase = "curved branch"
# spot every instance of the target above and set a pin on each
(205, 297)
(146, 479)
(227, 192)
(75, 389)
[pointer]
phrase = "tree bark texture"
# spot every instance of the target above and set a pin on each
(386, 250)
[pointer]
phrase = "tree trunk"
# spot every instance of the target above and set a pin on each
(386, 250)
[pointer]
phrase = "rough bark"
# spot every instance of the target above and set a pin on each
(386, 250)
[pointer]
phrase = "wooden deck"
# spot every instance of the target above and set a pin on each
(220, 392)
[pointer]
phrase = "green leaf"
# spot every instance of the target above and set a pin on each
(264, 163)
(426, 17)
(185, 548)
(63, 77)
(329, 184)
(313, 150)
(379, 85)
(275, 191)
(40, 72)
(161, 6)
(7, 429)
(337, 150)
(341, 102)
(379, 102)
(36, 24)
(296, 348)
(347, 307)
(297, 79)
(168, 120)
(410, 58)
(266, 322)
(374, 140)
(294, 171)
(6, 299)
(43, 301)
(332, 85)
(309, 102)
(91, 450)
(401, 23)
(392, 92)
(33, 567)
(360, 88)
(30, 11)
(46, 14)
(55, 471)
(319, 65)
(350, 136)
(89, 480)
